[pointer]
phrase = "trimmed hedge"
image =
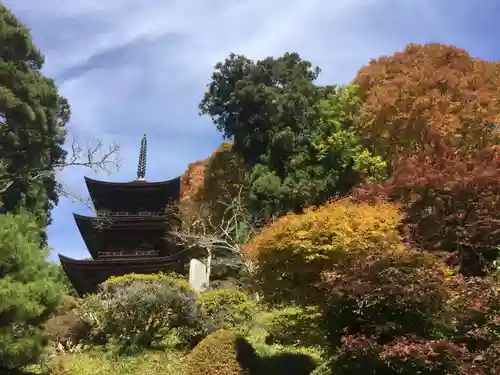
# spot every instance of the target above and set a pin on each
(221, 353)
(228, 308)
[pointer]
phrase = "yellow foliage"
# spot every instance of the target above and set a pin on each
(291, 253)
(174, 279)
(220, 353)
(229, 308)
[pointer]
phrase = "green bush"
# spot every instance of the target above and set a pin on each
(69, 289)
(29, 292)
(221, 353)
(323, 369)
(137, 311)
(294, 326)
(228, 308)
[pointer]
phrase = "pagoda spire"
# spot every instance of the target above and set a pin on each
(141, 167)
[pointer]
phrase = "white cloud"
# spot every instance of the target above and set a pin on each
(134, 66)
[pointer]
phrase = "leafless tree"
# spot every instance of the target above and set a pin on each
(198, 229)
(94, 155)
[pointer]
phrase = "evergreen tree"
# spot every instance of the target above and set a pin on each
(33, 117)
(294, 137)
(29, 291)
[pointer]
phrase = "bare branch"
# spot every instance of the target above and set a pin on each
(97, 157)
(64, 191)
(94, 156)
(198, 229)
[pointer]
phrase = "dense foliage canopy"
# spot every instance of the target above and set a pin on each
(451, 202)
(32, 122)
(426, 92)
(291, 253)
(294, 137)
(29, 291)
(335, 200)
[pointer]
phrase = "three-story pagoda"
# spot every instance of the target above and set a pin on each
(130, 232)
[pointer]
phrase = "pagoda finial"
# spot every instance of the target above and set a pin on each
(141, 167)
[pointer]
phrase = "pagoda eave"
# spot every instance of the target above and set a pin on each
(86, 275)
(152, 194)
(88, 232)
(141, 184)
(89, 223)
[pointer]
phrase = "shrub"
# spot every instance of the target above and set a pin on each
(68, 303)
(294, 326)
(291, 253)
(476, 303)
(228, 308)
(67, 330)
(140, 310)
(424, 92)
(221, 353)
(387, 294)
(405, 313)
(451, 203)
(173, 279)
(29, 292)
(404, 355)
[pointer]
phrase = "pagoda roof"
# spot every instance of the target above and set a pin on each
(86, 275)
(89, 233)
(92, 235)
(134, 195)
(131, 184)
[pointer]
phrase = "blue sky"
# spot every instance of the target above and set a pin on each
(130, 67)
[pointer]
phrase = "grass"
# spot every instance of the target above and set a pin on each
(96, 362)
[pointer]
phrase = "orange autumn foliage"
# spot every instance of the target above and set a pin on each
(291, 253)
(210, 178)
(210, 185)
(426, 92)
(192, 180)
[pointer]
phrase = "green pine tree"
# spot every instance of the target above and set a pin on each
(33, 117)
(29, 291)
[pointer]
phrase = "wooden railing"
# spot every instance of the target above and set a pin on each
(144, 214)
(127, 253)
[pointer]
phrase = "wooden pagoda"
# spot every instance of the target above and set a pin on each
(129, 233)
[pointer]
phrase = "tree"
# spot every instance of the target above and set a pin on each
(221, 238)
(257, 104)
(29, 291)
(94, 155)
(424, 92)
(33, 117)
(451, 202)
(290, 254)
(294, 137)
(328, 161)
(225, 178)
(407, 313)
